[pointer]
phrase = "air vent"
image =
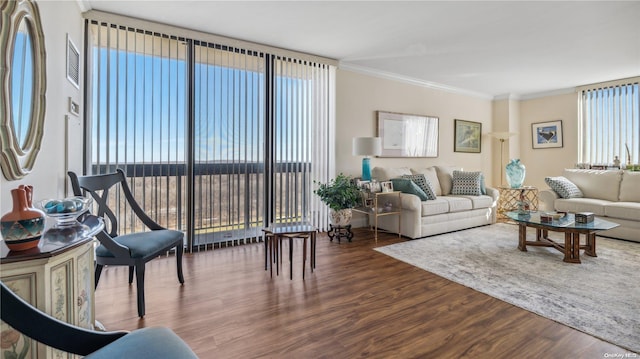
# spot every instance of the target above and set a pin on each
(73, 63)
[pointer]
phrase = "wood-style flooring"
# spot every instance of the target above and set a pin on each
(357, 303)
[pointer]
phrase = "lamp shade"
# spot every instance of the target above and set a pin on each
(367, 146)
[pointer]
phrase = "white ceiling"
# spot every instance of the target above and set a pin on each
(516, 48)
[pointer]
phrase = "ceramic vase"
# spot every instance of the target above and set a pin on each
(515, 173)
(23, 226)
(341, 218)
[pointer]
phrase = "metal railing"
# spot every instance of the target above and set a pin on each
(228, 198)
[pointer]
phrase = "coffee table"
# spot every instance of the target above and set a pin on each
(567, 225)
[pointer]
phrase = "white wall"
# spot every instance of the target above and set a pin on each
(359, 96)
(48, 176)
(541, 163)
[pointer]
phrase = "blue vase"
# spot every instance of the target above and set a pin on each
(515, 173)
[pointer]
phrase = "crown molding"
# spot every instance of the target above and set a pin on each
(410, 80)
(536, 95)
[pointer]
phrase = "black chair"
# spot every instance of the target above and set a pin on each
(134, 249)
(154, 342)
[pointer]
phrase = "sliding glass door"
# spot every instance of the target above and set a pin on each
(217, 141)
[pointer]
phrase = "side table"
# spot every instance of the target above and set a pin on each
(379, 209)
(509, 198)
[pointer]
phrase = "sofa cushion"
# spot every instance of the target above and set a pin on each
(408, 186)
(479, 201)
(431, 175)
(563, 187)
(624, 210)
(599, 184)
(445, 177)
(438, 206)
(386, 173)
(424, 185)
(457, 203)
(630, 187)
(581, 205)
(466, 183)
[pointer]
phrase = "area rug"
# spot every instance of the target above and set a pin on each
(600, 296)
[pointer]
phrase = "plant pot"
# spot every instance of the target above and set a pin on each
(341, 217)
(23, 226)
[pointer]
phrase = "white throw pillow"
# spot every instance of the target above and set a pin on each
(386, 173)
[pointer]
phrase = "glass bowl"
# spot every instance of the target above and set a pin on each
(65, 211)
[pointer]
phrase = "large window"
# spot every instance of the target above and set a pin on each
(216, 140)
(610, 123)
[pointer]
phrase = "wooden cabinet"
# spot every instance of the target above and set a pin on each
(57, 277)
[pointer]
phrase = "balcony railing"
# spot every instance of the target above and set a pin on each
(228, 198)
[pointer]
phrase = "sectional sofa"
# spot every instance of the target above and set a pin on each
(611, 195)
(447, 212)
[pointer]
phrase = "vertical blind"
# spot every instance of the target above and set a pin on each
(609, 124)
(238, 136)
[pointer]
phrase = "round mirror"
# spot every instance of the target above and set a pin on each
(23, 80)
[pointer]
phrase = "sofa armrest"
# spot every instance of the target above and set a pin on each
(493, 193)
(547, 199)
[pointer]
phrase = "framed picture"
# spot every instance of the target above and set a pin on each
(361, 184)
(373, 186)
(407, 135)
(467, 136)
(387, 186)
(546, 134)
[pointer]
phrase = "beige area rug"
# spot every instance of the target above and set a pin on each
(600, 296)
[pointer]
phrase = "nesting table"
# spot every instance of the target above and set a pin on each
(276, 233)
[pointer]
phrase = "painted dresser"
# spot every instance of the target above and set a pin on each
(57, 277)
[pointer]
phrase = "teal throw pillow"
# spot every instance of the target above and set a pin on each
(408, 186)
(424, 184)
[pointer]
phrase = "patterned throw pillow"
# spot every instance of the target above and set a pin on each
(466, 183)
(424, 185)
(405, 185)
(563, 187)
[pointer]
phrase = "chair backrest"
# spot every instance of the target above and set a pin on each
(48, 330)
(99, 186)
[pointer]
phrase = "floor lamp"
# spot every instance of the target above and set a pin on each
(502, 136)
(367, 146)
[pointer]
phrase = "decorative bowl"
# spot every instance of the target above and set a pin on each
(556, 215)
(65, 211)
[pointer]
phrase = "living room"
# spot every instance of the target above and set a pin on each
(359, 95)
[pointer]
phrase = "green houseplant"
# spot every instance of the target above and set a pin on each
(340, 194)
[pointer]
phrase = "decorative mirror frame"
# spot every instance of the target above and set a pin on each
(17, 160)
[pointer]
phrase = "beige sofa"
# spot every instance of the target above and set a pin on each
(444, 214)
(611, 195)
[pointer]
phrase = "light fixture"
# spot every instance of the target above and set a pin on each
(367, 146)
(502, 136)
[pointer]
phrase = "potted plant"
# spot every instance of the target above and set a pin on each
(340, 194)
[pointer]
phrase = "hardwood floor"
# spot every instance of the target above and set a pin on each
(357, 303)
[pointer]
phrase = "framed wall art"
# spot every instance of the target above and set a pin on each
(408, 135)
(546, 134)
(467, 136)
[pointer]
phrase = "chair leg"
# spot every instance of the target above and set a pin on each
(97, 274)
(140, 288)
(131, 274)
(179, 251)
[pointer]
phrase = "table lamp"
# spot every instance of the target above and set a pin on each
(367, 146)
